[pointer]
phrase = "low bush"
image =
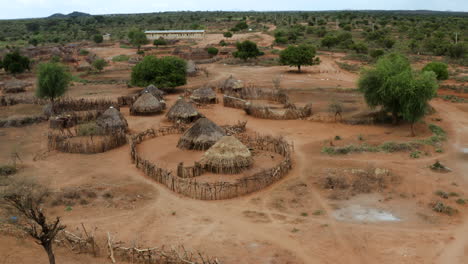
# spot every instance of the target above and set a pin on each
(6, 170)
(120, 58)
(440, 207)
(88, 129)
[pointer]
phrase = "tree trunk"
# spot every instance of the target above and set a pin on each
(299, 68)
(394, 118)
(50, 252)
(412, 130)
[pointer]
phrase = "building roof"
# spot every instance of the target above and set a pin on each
(174, 31)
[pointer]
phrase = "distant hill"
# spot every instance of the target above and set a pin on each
(72, 14)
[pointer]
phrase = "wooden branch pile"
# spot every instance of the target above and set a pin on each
(183, 183)
(69, 105)
(63, 142)
(71, 119)
(155, 255)
(127, 99)
(79, 243)
(235, 129)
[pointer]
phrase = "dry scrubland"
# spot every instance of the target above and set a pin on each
(367, 207)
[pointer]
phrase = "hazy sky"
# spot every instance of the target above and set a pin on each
(41, 8)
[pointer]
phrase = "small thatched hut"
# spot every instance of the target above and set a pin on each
(147, 104)
(231, 85)
(201, 135)
(227, 156)
(112, 120)
(154, 91)
(204, 95)
(183, 111)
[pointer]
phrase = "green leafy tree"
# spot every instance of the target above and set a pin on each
(15, 63)
(242, 25)
(137, 38)
(376, 53)
(457, 51)
(52, 81)
(159, 42)
(439, 68)
(165, 72)
(392, 85)
(298, 55)
(421, 88)
(227, 34)
(99, 64)
(212, 51)
(98, 38)
(329, 41)
(360, 47)
(247, 49)
(34, 42)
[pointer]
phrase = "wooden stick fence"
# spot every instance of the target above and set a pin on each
(63, 142)
(69, 105)
(189, 187)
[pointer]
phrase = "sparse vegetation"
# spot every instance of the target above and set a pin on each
(120, 58)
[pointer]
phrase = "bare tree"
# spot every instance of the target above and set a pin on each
(27, 200)
(336, 108)
(276, 82)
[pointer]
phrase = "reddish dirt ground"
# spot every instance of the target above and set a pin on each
(293, 221)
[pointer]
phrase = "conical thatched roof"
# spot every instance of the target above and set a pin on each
(204, 95)
(231, 84)
(112, 120)
(183, 111)
(201, 135)
(154, 91)
(228, 155)
(146, 104)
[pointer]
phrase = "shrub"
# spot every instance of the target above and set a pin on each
(88, 129)
(6, 170)
(442, 194)
(247, 49)
(83, 52)
(120, 58)
(337, 138)
(227, 34)
(99, 64)
(460, 201)
(163, 72)
(222, 43)
(415, 154)
(376, 53)
(158, 42)
(212, 51)
(439, 68)
(98, 38)
(442, 208)
(15, 63)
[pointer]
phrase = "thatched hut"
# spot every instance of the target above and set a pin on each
(147, 104)
(154, 91)
(231, 85)
(201, 135)
(228, 156)
(183, 111)
(112, 120)
(204, 95)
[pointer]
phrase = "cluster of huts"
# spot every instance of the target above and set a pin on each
(223, 153)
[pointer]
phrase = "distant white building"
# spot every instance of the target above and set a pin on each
(106, 37)
(175, 34)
